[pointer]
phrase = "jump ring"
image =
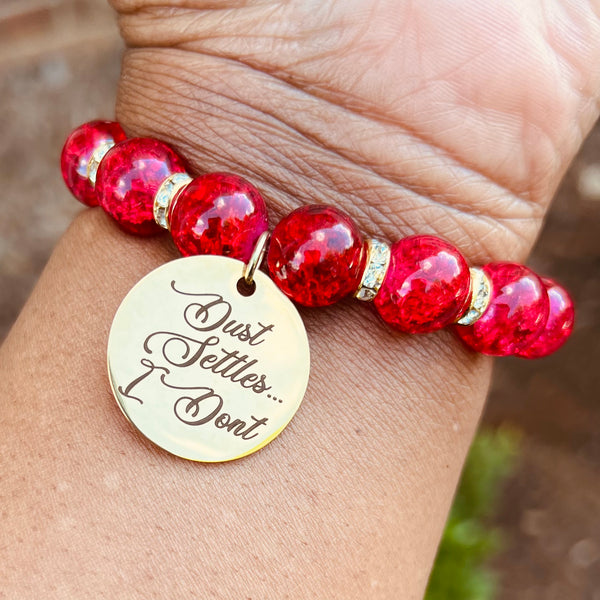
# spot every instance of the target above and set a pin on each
(256, 258)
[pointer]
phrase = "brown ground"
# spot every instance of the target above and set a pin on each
(59, 63)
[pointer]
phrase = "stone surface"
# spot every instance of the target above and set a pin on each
(218, 213)
(316, 255)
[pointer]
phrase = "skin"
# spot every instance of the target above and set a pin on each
(456, 119)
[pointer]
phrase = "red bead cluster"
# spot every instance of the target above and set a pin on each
(317, 255)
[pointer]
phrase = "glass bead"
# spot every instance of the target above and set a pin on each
(427, 285)
(77, 153)
(129, 177)
(316, 255)
(218, 213)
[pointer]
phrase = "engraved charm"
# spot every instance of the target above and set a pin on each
(202, 369)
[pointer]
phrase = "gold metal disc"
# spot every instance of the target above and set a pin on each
(202, 369)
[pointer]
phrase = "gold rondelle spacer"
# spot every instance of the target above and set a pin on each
(481, 293)
(97, 155)
(378, 260)
(168, 189)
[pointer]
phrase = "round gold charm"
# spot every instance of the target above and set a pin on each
(205, 366)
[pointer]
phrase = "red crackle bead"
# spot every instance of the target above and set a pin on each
(77, 152)
(426, 287)
(316, 255)
(516, 314)
(559, 325)
(128, 178)
(218, 213)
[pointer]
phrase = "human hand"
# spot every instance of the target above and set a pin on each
(454, 119)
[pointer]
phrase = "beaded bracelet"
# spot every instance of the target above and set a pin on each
(207, 356)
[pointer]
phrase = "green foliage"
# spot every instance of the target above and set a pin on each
(468, 542)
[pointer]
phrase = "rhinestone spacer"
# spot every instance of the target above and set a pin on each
(165, 194)
(378, 260)
(97, 155)
(480, 297)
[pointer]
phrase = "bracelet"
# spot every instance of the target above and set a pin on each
(208, 357)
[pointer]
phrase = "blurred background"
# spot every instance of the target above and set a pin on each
(526, 521)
